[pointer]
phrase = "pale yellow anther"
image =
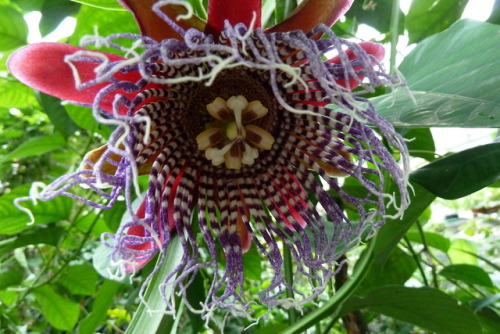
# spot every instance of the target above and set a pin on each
(259, 137)
(218, 109)
(254, 110)
(209, 138)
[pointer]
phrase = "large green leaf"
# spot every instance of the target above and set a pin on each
(79, 279)
(102, 302)
(453, 77)
(13, 220)
(461, 174)
(468, 274)
(396, 270)
(145, 321)
(36, 147)
(56, 309)
(428, 17)
(13, 29)
(428, 308)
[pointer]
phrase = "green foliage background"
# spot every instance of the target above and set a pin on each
(415, 275)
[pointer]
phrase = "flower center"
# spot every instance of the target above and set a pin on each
(231, 137)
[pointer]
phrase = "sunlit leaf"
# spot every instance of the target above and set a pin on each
(428, 308)
(461, 251)
(468, 274)
(453, 78)
(13, 29)
(14, 94)
(79, 279)
(428, 17)
(462, 173)
(56, 309)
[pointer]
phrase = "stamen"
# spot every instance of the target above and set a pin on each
(239, 139)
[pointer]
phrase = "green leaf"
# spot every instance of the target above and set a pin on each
(56, 309)
(461, 252)
(13, 29)
(14, 94)
(57, 114)
(143, 320)
(453, 77)
(102, 302)
(428, 17)
(376, 14)
(83, 117)
(103, 4)
(79, 279)
(251, 264)
(41, 235)
(54, 12)
(396, 270)
(462, 173)
(35, 147)
(428, 308)
(490, 320)
(13, 220)
(10, 278)
(431, 239)
(90, 17)
(468, 274)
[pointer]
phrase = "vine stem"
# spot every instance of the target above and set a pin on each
(394, 34)
(332, 306)
(292, 312)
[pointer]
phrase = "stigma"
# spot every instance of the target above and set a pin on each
(232, 138)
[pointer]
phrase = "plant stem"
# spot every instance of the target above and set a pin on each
(429, 254)
(417, 260)
(292, 312)
(332, 307)
(394, 34)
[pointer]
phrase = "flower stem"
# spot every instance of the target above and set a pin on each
(332, 307)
